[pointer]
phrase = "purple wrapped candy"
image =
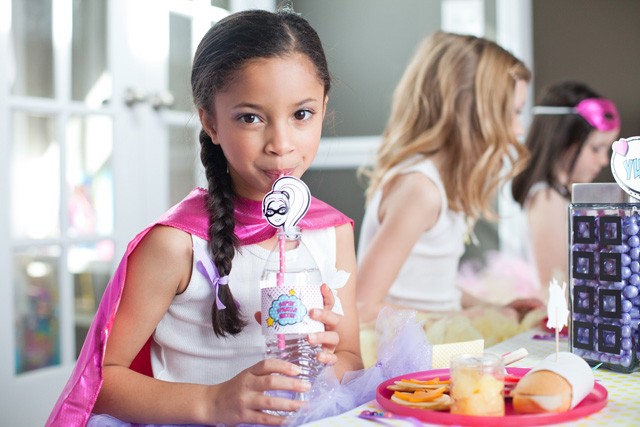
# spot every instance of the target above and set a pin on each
(630, 291)
(632, 229)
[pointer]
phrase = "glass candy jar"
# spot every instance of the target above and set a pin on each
(604, 275)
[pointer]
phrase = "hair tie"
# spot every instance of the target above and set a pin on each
(206, 266)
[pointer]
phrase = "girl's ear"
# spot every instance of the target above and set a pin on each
(208, 125)
(324, 106)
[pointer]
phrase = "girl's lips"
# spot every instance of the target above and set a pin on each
(275, 174)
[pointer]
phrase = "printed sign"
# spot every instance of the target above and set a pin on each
(625, 164)
(287, 309)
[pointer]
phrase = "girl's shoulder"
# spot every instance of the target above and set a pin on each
(415, 173)
(542, 195)
(413, 164)
(167, 242)
(412, 196)
(546, 204)
(165, 255)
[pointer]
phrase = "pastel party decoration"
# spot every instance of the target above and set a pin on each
(557, 309)
(621, 147)
(625, 165)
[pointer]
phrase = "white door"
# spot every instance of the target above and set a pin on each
(98, 138)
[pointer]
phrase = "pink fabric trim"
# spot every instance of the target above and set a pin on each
(76, 401)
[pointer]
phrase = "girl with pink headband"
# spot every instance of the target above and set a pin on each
(570, 141)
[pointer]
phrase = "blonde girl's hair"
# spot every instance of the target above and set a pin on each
(455, 100)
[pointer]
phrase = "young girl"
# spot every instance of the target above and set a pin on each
(260, 83)
(570, 141)
(453, 128)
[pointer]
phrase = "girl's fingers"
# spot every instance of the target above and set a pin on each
(328, 339)
(327, 296)
(328, 317)
(261, 403)
(262, 389)
(274, 403)
(328, 358)
(281, 382)
(274, 366)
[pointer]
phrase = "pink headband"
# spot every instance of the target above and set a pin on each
(600, 113)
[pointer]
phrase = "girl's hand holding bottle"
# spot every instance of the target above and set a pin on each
(251, 384)
(245, 393)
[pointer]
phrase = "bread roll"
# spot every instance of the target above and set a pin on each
(541, 391)
(557, 384)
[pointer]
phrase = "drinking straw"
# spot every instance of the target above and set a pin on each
(280, 278)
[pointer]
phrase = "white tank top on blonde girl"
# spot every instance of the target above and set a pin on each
(184, 347)
(427, 279)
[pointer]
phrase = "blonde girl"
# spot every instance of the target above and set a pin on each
(451, 135)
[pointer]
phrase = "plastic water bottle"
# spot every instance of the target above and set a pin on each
(290, 288)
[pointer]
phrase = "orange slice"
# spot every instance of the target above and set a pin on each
(421, 395)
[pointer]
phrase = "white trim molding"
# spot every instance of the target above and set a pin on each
(515, 33)
(345, 152)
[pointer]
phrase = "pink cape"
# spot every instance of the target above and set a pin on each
(74, 405)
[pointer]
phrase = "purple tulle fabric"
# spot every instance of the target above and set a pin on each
(402, 348)
(109, 421)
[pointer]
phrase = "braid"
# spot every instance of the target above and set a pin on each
(222, 239)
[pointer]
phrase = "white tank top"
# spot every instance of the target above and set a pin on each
(184, 347)
(427, 279)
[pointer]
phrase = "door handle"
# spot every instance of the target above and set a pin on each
(161, 100)
(133, 97)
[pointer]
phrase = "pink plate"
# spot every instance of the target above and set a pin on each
(595, 401)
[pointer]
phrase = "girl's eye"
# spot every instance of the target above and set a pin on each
(249, 118)
(302, 114)
(597, 149)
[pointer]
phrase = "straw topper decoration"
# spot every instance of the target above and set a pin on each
(625, 165)
(286, 203)
(557, 309)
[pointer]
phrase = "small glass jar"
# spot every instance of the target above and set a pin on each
(477, 385)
